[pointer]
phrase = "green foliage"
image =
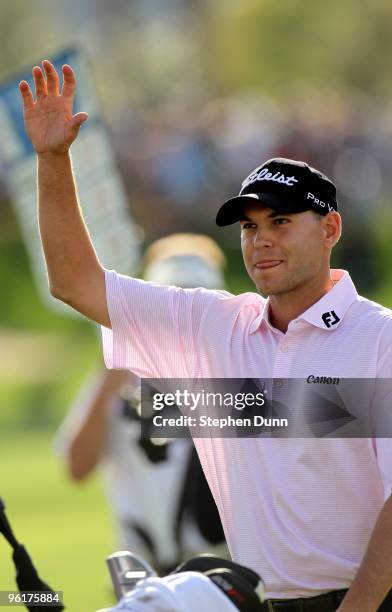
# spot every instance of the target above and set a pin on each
(21, 305)
(283, 47)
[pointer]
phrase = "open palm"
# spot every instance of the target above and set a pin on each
(49, 121)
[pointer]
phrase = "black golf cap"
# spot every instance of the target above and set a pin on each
(285, 185)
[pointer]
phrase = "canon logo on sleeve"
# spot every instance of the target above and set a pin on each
(322, 380)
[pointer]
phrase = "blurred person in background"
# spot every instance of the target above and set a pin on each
(102, 431)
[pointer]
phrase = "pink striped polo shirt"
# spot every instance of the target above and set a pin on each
(298, 511)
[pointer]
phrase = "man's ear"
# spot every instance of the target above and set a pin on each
(332, 228)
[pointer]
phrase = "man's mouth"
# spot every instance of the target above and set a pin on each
(268, 263)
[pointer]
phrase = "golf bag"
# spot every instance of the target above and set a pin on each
(203, 581)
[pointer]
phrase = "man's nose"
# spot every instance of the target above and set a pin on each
(263, 238)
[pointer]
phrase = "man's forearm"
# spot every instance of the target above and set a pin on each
(87, 440)
(374, 577)
(69, 253)
(86, 443)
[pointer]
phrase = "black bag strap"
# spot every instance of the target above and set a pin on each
(27, 577)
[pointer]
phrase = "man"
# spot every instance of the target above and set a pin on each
(102, 431)
(312, 517)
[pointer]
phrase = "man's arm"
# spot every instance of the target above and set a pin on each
(374, 577)
(75, 273)
(85, 430)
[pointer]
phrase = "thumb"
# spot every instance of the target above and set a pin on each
(76, 122)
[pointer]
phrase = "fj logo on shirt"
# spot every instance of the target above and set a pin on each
(330, 318)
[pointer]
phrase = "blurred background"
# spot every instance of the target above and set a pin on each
(193, 95)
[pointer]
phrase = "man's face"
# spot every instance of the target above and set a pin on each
(282, 252)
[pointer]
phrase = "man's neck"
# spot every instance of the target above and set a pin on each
(283, 308)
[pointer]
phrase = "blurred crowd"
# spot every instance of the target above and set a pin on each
(181, 163)
(190, 115)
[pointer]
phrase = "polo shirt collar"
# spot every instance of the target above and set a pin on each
(262, 318)
(328, 312)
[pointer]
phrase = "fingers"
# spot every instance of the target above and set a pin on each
(69, 82)
(50, 86)
(39, 82)
(27, 96)
(52, 78)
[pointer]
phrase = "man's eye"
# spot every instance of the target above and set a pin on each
(280, 221)
(248, 225)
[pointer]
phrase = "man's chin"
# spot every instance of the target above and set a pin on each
(270, 282)
(267, 289)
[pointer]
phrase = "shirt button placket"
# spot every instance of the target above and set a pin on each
(282, 368)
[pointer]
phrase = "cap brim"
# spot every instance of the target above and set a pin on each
(232, 211)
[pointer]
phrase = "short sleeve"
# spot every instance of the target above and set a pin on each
(154, 327)
(384, 461)
(383, 404)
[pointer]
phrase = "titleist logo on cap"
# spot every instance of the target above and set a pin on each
(266, 175)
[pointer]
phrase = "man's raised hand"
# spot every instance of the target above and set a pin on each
(49, 121)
